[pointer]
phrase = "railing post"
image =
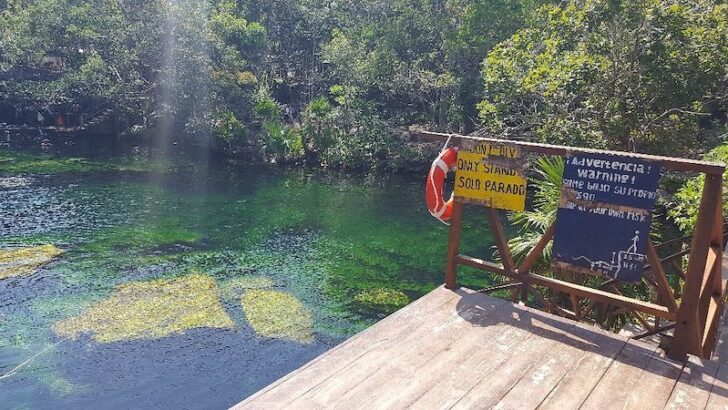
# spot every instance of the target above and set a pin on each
(453, 246)
(717, 285)
(688, 329)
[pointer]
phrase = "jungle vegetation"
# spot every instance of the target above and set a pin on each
(342, 83)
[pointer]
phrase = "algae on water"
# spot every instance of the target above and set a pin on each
(277, 314)
(15, 162)
(25, 261)
(150, 310)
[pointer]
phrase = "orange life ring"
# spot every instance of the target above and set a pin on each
(436, 204)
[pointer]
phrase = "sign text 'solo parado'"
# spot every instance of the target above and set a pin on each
(491, 174)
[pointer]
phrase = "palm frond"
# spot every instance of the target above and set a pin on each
(534, 223)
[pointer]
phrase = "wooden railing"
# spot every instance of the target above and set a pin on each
(694, 311)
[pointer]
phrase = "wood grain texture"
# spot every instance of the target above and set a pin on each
(400, 354)
(692, 390)
(395, 326)
(402, 380)
(484, 360)
(463, 349)
(583, 376)
(552, 335)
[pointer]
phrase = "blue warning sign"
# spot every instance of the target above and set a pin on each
(604, 215)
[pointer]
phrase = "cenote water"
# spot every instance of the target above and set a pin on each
(150, 283)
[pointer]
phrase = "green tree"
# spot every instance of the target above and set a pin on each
(683, 206)
(646, 75)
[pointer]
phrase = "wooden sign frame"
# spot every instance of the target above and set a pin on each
(695, 315)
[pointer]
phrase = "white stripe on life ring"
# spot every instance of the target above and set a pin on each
(439, 163)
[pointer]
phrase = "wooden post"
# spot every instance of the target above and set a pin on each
(688, 332)
(501, 242)
(663, 285)
(453, 246)
(537, 250)
(701, 298)
(717, 287)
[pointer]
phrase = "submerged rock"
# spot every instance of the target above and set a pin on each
(234, 288)
(60, 386)
(25, 261)
(150, 310)
(277, 314)
(382, 300)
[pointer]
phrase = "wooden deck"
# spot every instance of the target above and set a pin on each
(463, 349)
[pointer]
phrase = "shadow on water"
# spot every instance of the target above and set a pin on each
(202, 368)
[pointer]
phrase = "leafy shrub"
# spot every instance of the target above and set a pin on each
(532, 224)
(279, 141)
(684, 208)
(645, 76)
(351, 133)
(228, 128)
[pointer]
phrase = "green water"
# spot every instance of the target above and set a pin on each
(330, 253)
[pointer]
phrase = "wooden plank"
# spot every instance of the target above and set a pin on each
(676, 164)
(618, 382)
(536, 384)
(501, 242)
(655, 384)
(707, 279)
(537, 250)
(493, 387)
(600, 295)
(719, 393)
(391, 328)
(465, 349)
(688, 334)
(715, 308)
(577, 384)
(692, 390)
(404, 379)
(663, 285)
(437, 334)
(480, 264)
(485, 360)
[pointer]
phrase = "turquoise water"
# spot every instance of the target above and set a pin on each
(184, 284)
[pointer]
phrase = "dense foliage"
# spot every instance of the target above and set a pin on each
(684, 207)
(341, 83)
(645, 76)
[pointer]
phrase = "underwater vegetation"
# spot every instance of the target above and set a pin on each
(382, 300)
(235, 287)
(27, 260)
(277, 266)
(148, 310)
(169, 231)
(162, 307)
(15, 162)
(12, 162)
(277, 314)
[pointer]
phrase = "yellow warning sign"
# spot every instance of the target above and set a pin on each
(491, 174)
